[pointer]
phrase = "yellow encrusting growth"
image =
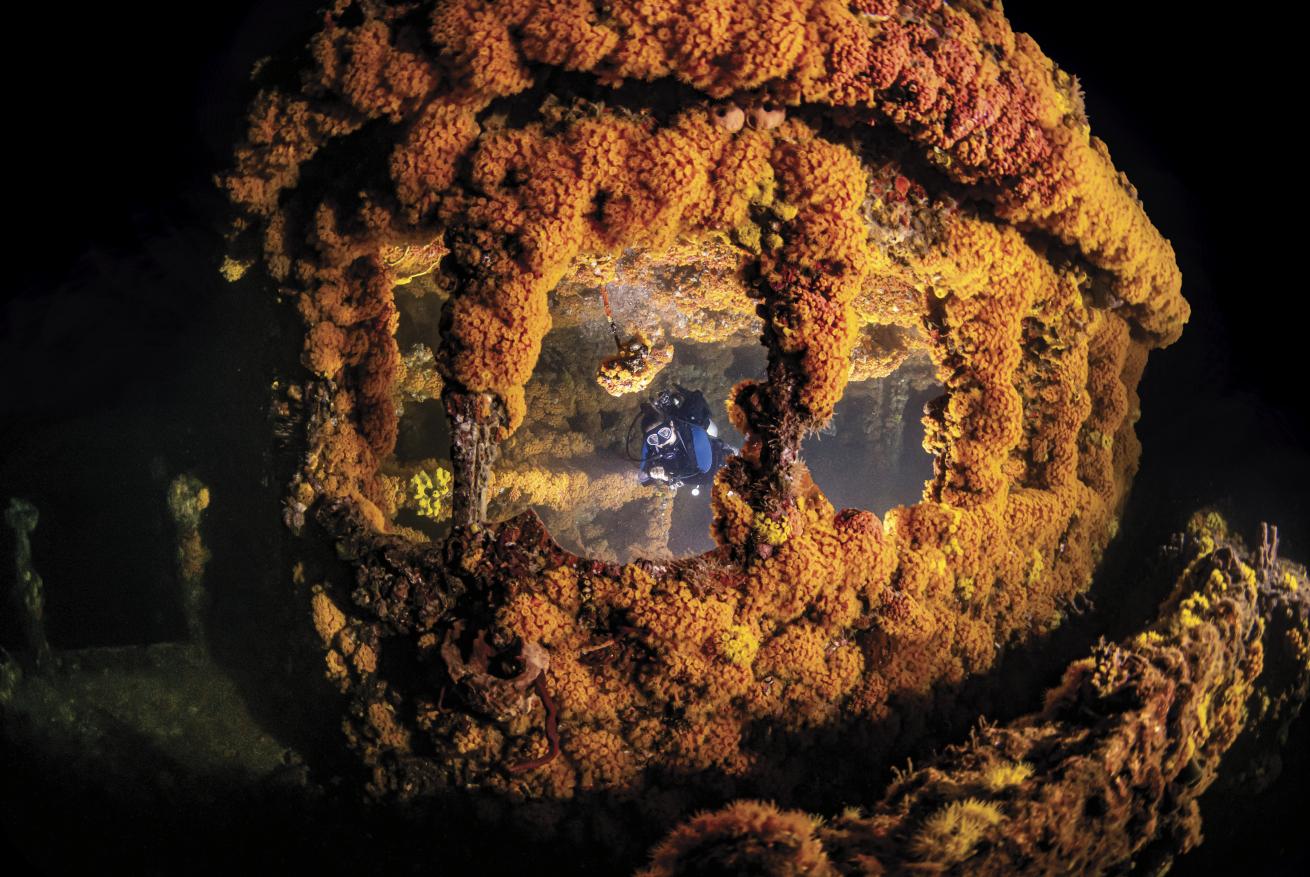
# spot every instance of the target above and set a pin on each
(1192, 609)
(430, 492)
(1004, 774)
(739, 644)
(952, 834)
(769, 529)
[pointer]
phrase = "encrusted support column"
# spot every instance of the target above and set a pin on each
(894, 394)
(188, 498)
(27, 598)
(476, 423)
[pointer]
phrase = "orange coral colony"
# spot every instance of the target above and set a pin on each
(856, 170)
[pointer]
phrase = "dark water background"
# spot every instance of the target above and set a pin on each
(126, 359)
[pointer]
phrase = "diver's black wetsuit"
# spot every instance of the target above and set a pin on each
(680, 442)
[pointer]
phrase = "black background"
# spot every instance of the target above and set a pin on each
(118, 114)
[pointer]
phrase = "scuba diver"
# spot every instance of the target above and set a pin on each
(681, 444)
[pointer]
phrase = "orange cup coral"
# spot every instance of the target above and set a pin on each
(514, 141)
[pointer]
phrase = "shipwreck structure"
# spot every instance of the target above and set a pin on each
(866, 187)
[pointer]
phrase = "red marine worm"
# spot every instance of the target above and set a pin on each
(552, 729)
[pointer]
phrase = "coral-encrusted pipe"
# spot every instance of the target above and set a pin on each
(1108, 773)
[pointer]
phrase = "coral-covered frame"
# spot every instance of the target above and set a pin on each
(501, 143)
